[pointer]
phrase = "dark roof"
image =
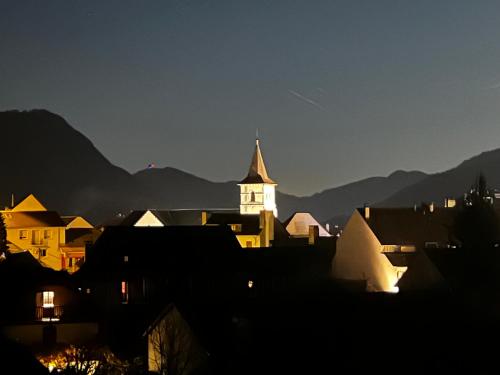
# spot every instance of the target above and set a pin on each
(161, 247)
(409, 226)
(250, 224)
(29, 219)
(68, 219)
(80, 235)
(24, 266)
(167, 217)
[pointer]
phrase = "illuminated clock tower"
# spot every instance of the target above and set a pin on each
(257, 190)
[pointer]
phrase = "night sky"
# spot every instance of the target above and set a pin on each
(339, 90)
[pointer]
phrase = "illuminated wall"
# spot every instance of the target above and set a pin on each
(359, 257)
(42, 242)
(78, 222)
(248, 240)
(148, 220)
(47, 244)
(258, 197)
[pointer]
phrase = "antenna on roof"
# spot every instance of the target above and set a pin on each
(12, 200)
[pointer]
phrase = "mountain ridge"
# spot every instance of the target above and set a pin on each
(63, 167)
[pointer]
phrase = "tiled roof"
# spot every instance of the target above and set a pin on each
(33, 219)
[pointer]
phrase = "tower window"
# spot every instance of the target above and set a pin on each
(252, 196)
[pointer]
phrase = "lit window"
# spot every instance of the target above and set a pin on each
(250, 284)
(23, 234)
(125, 258)
(47, 299)
(124, 291)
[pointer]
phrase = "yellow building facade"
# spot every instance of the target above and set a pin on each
(31, 227)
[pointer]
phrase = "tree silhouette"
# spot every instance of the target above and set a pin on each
(476, 226)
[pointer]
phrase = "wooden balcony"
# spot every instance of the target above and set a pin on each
(49, 314)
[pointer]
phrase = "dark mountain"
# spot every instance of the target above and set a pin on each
(172, 188)
(342, 200)
(46, 156)
(42, 154)
(449, 184)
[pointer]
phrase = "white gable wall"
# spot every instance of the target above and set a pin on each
(299, 225)
(359, 257)
(149, 220)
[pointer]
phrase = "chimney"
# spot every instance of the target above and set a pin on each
(313, 234)
(262, 219)
(204, 217)
(266, 224)
(367, 212)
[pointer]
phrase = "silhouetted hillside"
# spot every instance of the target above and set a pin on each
(452, 183)
(342, 200)
(44, 155)
(171, 188)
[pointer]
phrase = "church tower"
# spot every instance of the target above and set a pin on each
(257, 190)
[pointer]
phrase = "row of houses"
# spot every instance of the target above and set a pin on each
(130, 277)
(124, 274)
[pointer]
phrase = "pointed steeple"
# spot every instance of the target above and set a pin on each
(257, 173)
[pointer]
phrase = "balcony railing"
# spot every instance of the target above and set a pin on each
(49, 314)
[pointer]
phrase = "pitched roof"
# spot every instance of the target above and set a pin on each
(158, 248)
(76, 222)
(257, 174)
(250, 224)
(30, 203)
(33, 219)
(409, 226)
(298, 225)
(165, 217)
(79, 236)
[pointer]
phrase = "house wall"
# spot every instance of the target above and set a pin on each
(244, 240)
(148, 220)
(38, 238)
(359, 257)
(79, 222)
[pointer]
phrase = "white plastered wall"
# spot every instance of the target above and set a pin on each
(359, 257)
